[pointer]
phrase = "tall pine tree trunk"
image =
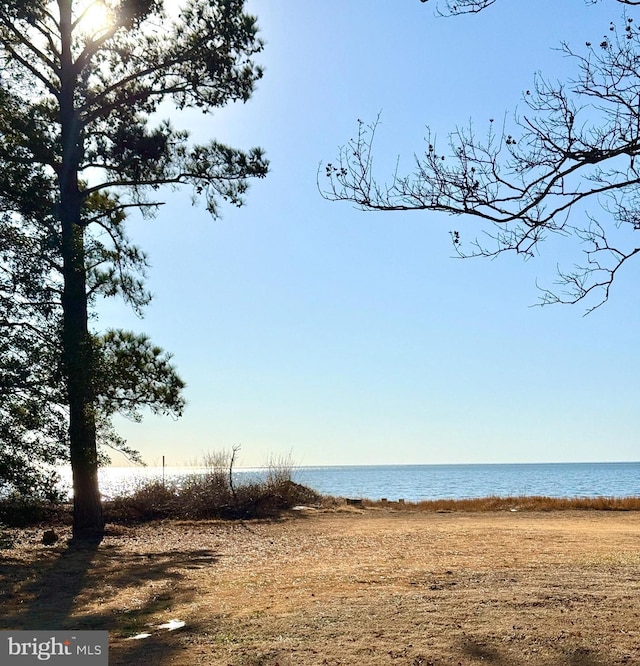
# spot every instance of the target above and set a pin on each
(88, 519)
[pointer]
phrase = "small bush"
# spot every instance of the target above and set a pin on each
(205, 496)
(20, 510)
(214, 494)
(149, 501)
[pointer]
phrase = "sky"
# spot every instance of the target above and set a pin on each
(309, 329)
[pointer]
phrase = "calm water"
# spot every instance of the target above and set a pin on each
(418, 482)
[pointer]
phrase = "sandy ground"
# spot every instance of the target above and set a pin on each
(354, 587)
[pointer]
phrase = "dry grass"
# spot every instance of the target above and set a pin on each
(522, 503)
(348, 586)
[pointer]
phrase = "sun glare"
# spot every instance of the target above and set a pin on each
(95, 17)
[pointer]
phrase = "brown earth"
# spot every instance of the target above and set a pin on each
(373, 586)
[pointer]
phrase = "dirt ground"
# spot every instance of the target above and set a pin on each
(354, 587)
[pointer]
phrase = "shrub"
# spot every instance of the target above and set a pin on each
(19, 510)
(149, 501)
(214, 494)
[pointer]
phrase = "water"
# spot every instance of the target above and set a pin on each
(422, 482)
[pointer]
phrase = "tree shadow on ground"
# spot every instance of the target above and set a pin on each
(73, 586)
(44, 590)
(482, 651)
(584, 657)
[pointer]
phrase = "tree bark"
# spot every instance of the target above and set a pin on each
(88, 519)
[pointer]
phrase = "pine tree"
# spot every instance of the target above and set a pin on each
(79, 147)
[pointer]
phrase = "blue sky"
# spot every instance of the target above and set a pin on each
(308, 327)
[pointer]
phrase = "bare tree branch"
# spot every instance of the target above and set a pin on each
(575, 148)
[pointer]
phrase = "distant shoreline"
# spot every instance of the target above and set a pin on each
(250, 468)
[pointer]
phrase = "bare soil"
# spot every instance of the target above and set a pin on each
(372, 586)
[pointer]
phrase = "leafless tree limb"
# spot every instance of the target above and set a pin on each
(575, 149)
